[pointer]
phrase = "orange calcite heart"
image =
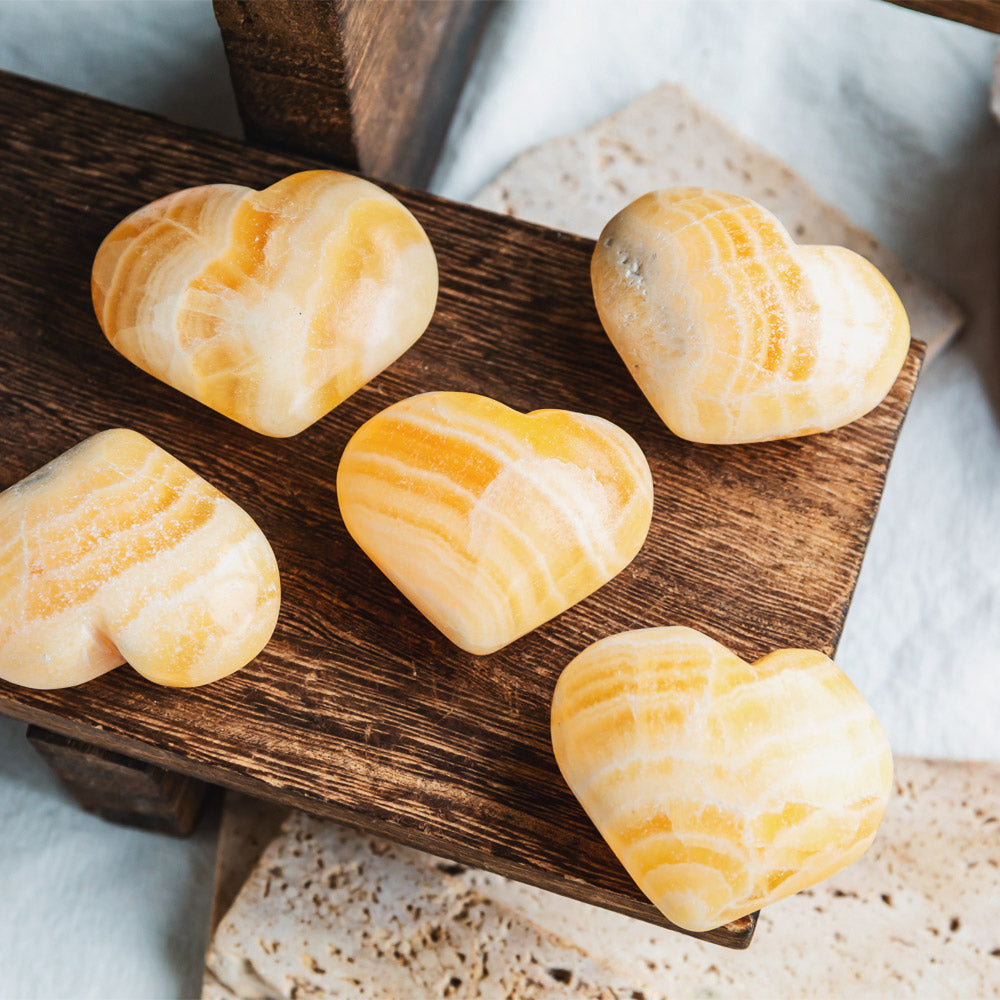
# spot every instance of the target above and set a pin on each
(270, 306)
(721, 785)
(117, 552)
(492, 521)
(733, 332)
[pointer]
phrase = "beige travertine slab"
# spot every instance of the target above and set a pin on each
(667, 138)
(918, 916)
(332, 913)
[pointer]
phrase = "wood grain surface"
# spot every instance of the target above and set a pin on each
(358, 709)
(979, 13)
(120, 789)
(368, 86)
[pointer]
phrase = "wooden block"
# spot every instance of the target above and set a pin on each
(995, 89)
(368, 86)
(358, 709)
(979, 13)
(120, 789)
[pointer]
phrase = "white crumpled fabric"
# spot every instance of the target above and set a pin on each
(884, 111)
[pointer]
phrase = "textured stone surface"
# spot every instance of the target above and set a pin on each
(916, 916)
(246, 827)
(332, 913)
(667, 138)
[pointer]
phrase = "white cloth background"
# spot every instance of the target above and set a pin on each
(883, 110)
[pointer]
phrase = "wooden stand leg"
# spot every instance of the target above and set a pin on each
(979, 13)
(121, 789)
(367, 86)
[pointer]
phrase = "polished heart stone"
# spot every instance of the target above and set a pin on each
(720, 785)
(116, 552)
(270, 306)
(736, 334)
(489, 520)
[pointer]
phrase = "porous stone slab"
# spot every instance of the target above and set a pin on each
(667, 138)
(329, 912)
(332, 913)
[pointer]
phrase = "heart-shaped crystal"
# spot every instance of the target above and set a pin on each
(489, 520)
(735, 333)
(720, 785)
(117, 552)
(270, 306)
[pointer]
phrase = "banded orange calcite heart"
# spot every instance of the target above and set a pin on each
(270, 306)
(733, 332)
(721, 785)
(116, 552)
(489, 520)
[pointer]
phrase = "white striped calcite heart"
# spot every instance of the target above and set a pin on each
(116, 552)
(270, 306)
(489, 520)
(720, 785)
(733, 332)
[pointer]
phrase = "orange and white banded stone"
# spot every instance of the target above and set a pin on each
(270, 306)
(116, 552)
(721, 785)
(489, 520)
(736, 334)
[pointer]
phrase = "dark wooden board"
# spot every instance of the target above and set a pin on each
(119, 788)
(979, 13)
(358, 709)
(369, 86)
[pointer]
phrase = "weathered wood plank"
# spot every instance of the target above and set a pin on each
(979, 13)
(368, 86)
(358, 709)
(120, 789)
